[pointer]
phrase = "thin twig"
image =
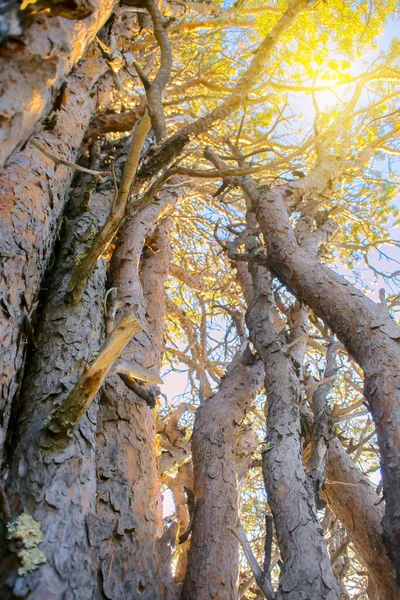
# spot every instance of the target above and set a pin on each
(66, 163)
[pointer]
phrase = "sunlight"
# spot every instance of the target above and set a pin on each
(327, 99)
(330, 96)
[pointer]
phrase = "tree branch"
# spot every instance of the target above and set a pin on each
(87, 261)
(65, 418)
(61, 161)
(261, 578)
(173, 146)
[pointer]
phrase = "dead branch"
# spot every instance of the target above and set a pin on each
(61, 161)
(83, 269)
(65, 418)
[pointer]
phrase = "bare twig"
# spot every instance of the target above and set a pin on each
(66, 163)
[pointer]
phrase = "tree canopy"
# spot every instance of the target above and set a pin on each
(205, 192)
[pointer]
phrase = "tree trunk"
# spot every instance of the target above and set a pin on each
(128, 525)
(290, 494)
(34, 68)
(54, 480)
(365, 328)
(358, 507)
(289, 490)
(31, 201)
(213, 563)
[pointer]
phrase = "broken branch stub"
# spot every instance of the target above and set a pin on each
(64, 418)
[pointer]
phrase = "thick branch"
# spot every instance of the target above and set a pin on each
(214, 555)
(365, 328)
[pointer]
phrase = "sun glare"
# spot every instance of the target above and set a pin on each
(331, 94)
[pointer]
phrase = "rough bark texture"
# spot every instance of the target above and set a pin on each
(365, 328)
(322, 428)
(34, 68)
(32, 196)
(55, 480)
(213, 564)
(359, 509)
(128, 525)
(305, 574)
(289, 490)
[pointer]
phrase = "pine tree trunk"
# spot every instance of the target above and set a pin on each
(290, 493)
(34, 68)
(128, 526)
(365, 328)
(356, 504)
(34, 190)
(54, 480)
(213, 563)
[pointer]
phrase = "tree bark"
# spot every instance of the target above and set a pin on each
(355, 503)
(289, 490)
(32, 200)
(128, 524)
(213, 563)
(54, 480)
(290, 494)
(365, 328)
(34, 68)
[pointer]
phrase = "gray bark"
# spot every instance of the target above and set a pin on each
(305, 573)
(365, 328)
(213, 563)
(32, 198)
(54, 480)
